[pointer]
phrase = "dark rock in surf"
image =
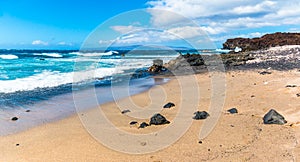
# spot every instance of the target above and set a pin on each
(200, 115)
(169, 105)
(158, 119)
(273, 117)
(157, 67)
(233, 111)
(158, 62)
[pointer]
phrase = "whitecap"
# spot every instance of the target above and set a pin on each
(57, 55)
(8, 57)
(48, 79)
(95, 54)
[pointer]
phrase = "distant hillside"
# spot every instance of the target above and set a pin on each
(266, 41)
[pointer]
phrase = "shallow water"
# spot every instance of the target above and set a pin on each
(61, 106)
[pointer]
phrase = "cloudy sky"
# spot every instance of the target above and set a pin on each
(70, 24)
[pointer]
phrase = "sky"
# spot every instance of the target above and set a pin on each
(64, 24)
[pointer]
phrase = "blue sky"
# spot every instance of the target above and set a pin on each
(65, 24)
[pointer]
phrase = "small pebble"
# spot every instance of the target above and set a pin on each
(27, 111)
(252, 96)
(169, 105)
(14, 118)
(298, 94)
(265, 72)
(143, 125)
(133, 122)
(200, 142)
(291, 86)
(17, 144)
(233, 111)
(125, 111)
(200, 115)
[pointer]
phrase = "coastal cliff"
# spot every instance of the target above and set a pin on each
(264, 42)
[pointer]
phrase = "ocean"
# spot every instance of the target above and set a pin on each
(42, 81)
(38, 86)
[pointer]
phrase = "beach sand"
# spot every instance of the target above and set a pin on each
(236, 137)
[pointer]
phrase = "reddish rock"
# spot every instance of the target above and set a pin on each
(264, 42)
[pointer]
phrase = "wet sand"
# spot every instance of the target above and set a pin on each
(236, 137)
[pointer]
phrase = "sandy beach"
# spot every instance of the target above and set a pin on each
(149, 81)
(236, 137)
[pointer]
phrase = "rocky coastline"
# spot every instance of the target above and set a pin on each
(285, 55)
(264, 42)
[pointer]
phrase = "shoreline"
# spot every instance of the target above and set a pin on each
(235, 137)
(63, 106)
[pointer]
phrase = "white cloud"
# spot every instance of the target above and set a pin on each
(260, 7)
(65, 44)
(186, 32)
(187, 19)
(216, 16)
(137, 35)
(105, 42)
(248, 35)
(39, 42)
(205, 8)
(125, 29)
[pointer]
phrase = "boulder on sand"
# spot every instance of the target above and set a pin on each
(143, 125)
(157, 67)
(232, 111)
(200, 115)
(169, 105)
(158, 119)
(273, 117)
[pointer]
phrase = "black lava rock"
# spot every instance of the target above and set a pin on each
(158, 119)
(298, 94)
(273, 117)
(169, 105)
(133, 122)
(265, 72)
(200, 115)
(27, 111)
(125, 111)
(14, 118)
(232, 111)
(291, 86)
(143, 125)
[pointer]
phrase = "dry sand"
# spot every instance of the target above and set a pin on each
(236, 137)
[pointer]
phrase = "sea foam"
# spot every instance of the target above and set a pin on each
(48, 79)
(8, 57)
(57, 55)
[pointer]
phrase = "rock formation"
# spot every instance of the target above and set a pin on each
(264, 42)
